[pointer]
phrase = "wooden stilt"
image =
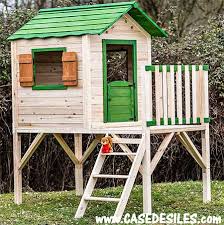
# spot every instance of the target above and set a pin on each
(79, 166)
(146, 176)
(17, 171)
(206, 172)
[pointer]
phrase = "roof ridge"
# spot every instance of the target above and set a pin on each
(87, 6)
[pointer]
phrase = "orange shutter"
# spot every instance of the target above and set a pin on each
(70, 69)
(26, 70)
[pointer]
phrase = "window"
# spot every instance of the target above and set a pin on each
(119, 63)
(48, 69)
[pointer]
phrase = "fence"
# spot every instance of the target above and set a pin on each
(176, 94)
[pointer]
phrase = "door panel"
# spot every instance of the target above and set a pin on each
(120, 80)
(120, 101)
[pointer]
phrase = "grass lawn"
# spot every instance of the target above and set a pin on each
(59, 207)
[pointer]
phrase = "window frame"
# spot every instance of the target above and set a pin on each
(46, 86)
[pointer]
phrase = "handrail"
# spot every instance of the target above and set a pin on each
(176, 94)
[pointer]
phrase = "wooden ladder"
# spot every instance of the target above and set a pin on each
(122, 201)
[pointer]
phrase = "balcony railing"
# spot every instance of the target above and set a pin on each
(176, 94)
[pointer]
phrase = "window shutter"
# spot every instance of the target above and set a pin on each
(26, 70)
(70, 69)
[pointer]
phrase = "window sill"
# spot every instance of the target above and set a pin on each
(50, 87)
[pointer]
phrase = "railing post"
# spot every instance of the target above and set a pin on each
(147, 93)
(146, 116)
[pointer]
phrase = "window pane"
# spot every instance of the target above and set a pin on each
(119, 63)
(48, 68)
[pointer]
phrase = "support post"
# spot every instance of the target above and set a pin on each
(206, 172)
(79, 166)
(17, 171)
(146, 162)
(146, 176)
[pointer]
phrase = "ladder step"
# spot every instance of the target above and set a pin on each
(126, 140)
(110, 176)
(102, 199)
(119, 153)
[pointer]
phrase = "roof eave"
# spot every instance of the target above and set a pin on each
(159, 31)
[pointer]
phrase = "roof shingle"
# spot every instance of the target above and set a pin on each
(81, 20)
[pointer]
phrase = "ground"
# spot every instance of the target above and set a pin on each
(58, 208)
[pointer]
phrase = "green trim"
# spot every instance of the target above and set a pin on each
(152, 68)
(207, 120)
(184, 121)
(157, 31)
(105, 102)
(105, 42)
(151, 123)
(35, 50)
(49, 86)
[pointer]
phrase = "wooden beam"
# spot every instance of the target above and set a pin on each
(160, 151)
(79, 166)
(126, 140)
(36, 142)
(86, 68)
(175, 128)
(206, 176)
(126, 149)
(90, 186)
(66, 148)
(179, 94)
(146, 175)
(91, 147)
(190, 147)
(164, 90)
(17, 172)
(130, 181)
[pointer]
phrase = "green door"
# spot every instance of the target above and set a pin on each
(120, 80)
(120, 101)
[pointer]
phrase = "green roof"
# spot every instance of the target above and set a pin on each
(86, 19)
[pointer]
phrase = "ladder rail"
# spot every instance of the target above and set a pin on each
(130, 181)
(90, 186)
(122, 201)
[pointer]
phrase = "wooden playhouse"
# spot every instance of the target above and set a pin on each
(63, 82)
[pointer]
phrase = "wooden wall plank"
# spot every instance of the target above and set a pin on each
(194, 94)
(69, 100)
(206, 94)
(200, 93)
(187, 95)
(164, 82)
(42, 110)
(179, 95)
(172, 95)
(86, 40)
(158, 95)
(47, 119)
